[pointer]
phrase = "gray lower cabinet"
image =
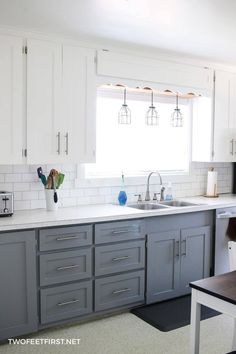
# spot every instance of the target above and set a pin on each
(61, 267)
(59, 238)
(66, 301)
(18, 293)
(119, 231)
(195, 255)
(178, 256)
(120, 257)
(163, 264)
(119, 290)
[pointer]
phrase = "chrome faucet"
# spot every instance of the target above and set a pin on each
(147, 196)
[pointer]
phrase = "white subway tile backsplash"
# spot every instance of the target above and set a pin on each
(37, 204)
(6, 169)
(32, 195)
(21, 186)
(29, 191)
(22, 205)
(13, 177)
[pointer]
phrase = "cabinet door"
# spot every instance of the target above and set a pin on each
(18, 302)
(163, 263)
(44, 89)
(11, 100)
(195, 255)
(79, 96)
(224, 117)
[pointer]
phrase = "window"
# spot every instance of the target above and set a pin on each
(138, 148)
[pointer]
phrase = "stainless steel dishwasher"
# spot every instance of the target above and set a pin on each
(221, 239)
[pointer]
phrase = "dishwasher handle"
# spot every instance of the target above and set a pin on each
(225, 215)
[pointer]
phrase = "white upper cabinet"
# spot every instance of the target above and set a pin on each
(60, 117)
(11, 100)
(214, 123)
(79, 100)
(225, 119)
(44, 105)
(154, 70)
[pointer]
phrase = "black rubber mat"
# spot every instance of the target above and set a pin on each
(171, 314)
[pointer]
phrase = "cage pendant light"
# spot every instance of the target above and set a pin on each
(124, 115)
(177, 116)
(152, 117)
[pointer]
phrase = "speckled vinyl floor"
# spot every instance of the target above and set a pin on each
(127, 334)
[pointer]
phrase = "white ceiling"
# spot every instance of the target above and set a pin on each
(204, 28)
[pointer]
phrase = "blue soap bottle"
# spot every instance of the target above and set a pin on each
(122, 196)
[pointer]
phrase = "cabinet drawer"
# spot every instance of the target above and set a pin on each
(119, 257)
(66, 301)
(65, 266)
(119, 231)
(65, 237)
(119, 290)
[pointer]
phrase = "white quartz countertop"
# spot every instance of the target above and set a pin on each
(38, 218)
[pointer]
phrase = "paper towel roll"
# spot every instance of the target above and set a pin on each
(212, 184)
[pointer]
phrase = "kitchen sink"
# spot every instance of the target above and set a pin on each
(177, 203)
(147, 206)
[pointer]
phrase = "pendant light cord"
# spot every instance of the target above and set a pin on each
(177, 101)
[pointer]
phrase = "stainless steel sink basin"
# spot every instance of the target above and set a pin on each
(147, 206)
(177, 203)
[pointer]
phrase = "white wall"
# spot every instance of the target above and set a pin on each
(29, 192)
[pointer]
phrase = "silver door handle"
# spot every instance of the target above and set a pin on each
(67, 143)
(185, 252)
(68, 302)
(232, 146)
(117, 232)
(121, 291)
(67, 238)
(120, 258)
(68, 267)
(58, 143)
(178, 250)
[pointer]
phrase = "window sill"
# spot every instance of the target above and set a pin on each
(95, 182)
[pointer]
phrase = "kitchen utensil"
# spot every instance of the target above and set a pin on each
(49, 182)
(59, 180)
(53, 174)
(55, 197)
(42, 176)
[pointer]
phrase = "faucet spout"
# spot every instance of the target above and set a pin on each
(147, 196)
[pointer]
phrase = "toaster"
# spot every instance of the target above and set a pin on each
(6, 203)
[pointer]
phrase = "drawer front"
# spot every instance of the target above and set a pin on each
(65, 237)
(119, 257)
(67, 301)
(65, 266)
(119, 290)
(119, 231)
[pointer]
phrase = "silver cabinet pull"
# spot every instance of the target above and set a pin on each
(235, 146)
(120, 258)
(68, 267)
(121, 291)
(67, 143)
(68, 302)
(232, 146)
(117, 232)
(185, 252)
(58, 143)
(177, 246)
(64, 238)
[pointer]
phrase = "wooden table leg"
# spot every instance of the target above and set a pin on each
(195, 323)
